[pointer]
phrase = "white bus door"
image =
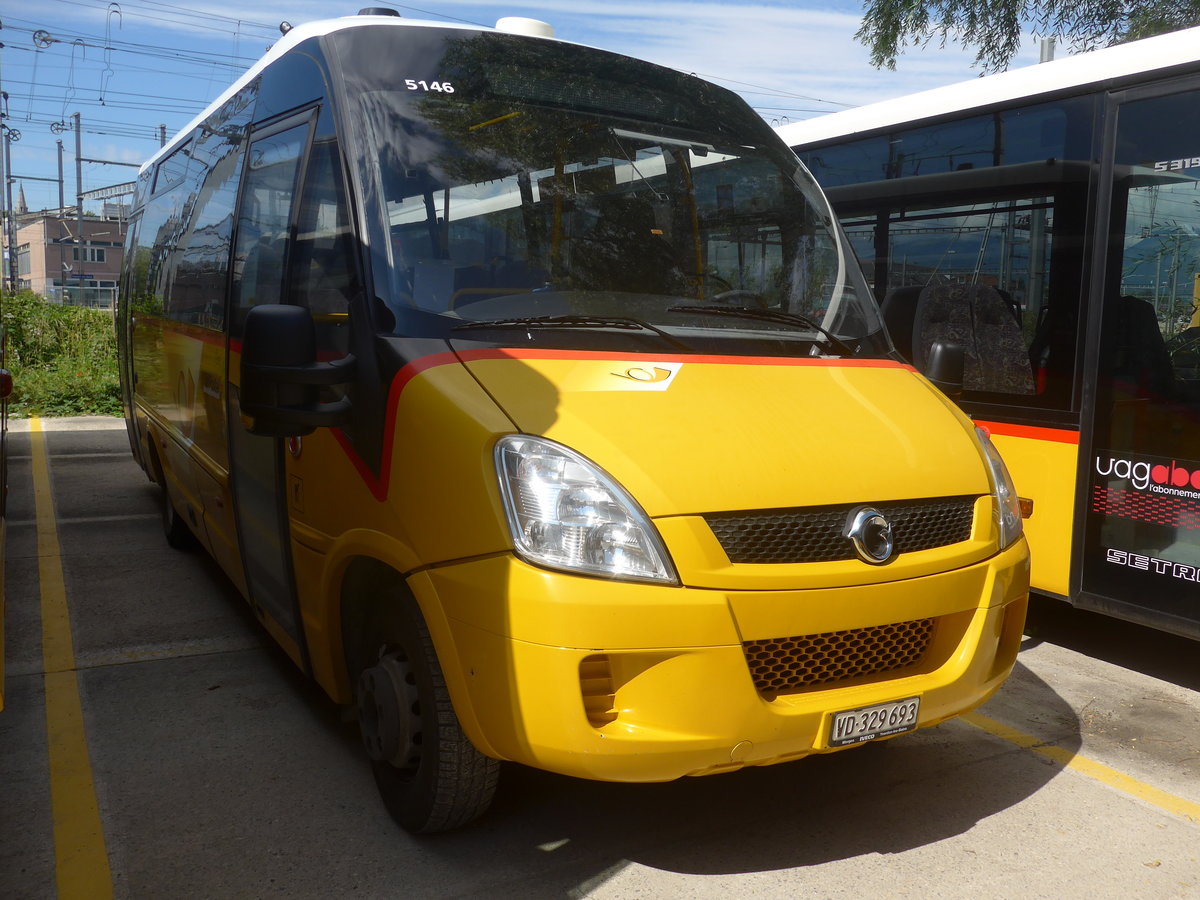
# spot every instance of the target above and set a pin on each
(1141, 543)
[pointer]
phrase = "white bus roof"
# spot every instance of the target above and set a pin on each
(1148, 55)
(293, 38)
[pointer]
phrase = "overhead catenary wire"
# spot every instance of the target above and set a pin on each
(97, 42)
(35, 97)
(176, 107)
(110, 129)
(188, 22)
(130, 5)
(181, 101)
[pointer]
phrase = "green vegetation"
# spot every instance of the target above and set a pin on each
(63, 359)
(996, 28)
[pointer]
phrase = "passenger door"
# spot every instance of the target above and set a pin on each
(265, 226)
(1141, 501)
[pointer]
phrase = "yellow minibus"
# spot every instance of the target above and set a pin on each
(535, 402)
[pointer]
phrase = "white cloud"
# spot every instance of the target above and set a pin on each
(124, 154)
(789, 48)
(778, 55)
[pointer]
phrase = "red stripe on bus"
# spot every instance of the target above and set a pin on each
(1032, 432)
(186, 329)
(378, 485)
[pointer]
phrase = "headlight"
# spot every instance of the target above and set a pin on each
(1007, 506)
(564, 512)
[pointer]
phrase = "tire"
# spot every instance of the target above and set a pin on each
(175, 529)
(429, 775)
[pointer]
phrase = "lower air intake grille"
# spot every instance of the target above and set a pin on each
(814, 534)
(596, 686)
(783, 665)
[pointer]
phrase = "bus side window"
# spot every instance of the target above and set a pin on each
(198, 292)
(985, 270)
(323, 270)
(264, 218)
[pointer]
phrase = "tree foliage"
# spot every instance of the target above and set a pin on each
(995, 28)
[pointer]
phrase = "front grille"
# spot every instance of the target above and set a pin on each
(814, 533)
(792, 664)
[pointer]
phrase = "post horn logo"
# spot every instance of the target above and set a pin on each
(652, 375)
(870, 533)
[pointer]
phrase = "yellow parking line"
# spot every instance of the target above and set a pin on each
(1178, 806)
(81, 858)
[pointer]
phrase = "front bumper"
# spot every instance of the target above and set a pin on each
(630, 682)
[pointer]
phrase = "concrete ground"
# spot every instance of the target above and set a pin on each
(218, 771)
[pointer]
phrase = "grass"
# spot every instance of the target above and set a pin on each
(63, 359)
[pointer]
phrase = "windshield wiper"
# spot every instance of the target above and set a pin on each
(772, 315)
(576, 321)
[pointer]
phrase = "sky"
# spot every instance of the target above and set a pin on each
(129, 67)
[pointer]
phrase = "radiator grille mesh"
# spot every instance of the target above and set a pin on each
(815, 534)
(791, 664)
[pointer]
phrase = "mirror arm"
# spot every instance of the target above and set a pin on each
(339, 371)
(323, 415)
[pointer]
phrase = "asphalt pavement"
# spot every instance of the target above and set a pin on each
(197, 762)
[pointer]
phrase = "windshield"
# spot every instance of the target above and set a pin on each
(587, 200)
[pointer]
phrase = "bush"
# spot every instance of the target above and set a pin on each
(63, 359)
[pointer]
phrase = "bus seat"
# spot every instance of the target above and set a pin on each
(436, 281)
(1011, 302)
(943, 313)
(517, 273)
(624, 250)
(323, 278)
(1143, 362)
(1004, 359)
(266, 262)
(466, 251)
(976, 317)
(899, 311)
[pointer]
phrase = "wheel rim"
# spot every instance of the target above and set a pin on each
(389, 712)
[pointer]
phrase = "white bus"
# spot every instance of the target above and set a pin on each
(1048, 219)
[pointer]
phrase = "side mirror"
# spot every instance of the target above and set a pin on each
(945, 367)
(281, 378)
(6, 384)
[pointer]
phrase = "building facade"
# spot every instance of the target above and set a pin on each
(48, 256)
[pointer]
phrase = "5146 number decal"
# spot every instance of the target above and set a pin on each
(442, 87)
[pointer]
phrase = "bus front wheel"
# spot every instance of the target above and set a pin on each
(430, 777)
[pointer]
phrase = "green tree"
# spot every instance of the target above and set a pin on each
(995, 28)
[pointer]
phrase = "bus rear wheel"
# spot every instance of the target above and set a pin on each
(175, 529)
(429, 775)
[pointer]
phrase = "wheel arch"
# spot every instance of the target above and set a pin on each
(367, 590)
(153, 465)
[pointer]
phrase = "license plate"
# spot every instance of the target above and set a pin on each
(853, 726)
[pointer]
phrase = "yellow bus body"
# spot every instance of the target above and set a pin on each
(608, 679)
(539, 409)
